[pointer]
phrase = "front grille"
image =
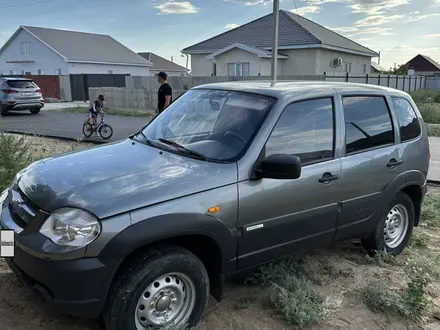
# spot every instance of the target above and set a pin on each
(21, 208)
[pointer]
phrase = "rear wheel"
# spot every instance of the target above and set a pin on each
(35, 111)
(105, 131)
(87, 130)
(166, 288)
(395, 228)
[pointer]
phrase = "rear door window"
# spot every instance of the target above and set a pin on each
(408, 121)
(21, 84)
(368, 123)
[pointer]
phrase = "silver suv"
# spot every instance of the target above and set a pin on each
(18, 94)
(229, 177)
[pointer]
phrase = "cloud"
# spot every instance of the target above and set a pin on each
(177, 7)
(250, 2)
(413, 17)
(374, 7)
(373, 30)
(343, 29)
(303, 11)
(431, 36)
(377, 20)
(231, 26)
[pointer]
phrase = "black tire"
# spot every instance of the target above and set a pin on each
(87, 130)
(109, 131)
(142, 271)
(376, 241)
(35, 111)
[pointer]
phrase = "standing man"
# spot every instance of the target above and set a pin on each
(165, 92)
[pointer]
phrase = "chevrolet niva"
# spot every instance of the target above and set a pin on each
(230, 176)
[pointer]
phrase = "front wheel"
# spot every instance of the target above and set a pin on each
(105, 131)
(164, 288)
(87, 129)
(395, 228)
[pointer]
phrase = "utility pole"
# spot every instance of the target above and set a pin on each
(276, 18)
(378, 62)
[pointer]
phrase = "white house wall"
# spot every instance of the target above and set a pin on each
(200, 66)
(77, 68)
(300, 62)
(169, 73)
(357, 61)
(44, 58)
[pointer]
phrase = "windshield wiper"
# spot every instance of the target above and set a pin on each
(182, 148)
(144, 137)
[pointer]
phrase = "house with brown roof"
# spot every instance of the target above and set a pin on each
(424, 66)
(304, 48)
(162, 64)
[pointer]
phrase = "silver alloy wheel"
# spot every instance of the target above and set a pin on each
(167, 301)
(396, 226)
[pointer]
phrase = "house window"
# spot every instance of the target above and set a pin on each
(238, 69)
(40, 72)
(110, 71)
(25, 48)
(12, 72)
(347, 67)
(28, 73)
(58, 72)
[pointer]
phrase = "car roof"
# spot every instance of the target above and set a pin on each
(16, 78)
(282, 88)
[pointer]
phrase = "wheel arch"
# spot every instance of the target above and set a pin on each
(204, 236)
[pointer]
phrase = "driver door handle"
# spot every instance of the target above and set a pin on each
(328, 177)
(393, 163)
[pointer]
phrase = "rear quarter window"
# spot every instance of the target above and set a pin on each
(21, 84)
(409, 124)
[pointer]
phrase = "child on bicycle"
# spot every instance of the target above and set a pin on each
(96, 107)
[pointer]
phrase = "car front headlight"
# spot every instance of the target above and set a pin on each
(71, 227)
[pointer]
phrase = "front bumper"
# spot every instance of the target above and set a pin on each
(66, 282)
(73, 287)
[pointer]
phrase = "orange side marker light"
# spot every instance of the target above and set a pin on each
(214, 209)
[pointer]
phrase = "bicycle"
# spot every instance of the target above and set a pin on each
(101, 128)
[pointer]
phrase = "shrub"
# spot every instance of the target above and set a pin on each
(430, 112)
(298, 302)
(14, 156)
(430, 214)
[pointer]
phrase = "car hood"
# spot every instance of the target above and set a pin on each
(119, 177)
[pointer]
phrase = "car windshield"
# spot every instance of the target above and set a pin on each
(213, 125)
(21, 84)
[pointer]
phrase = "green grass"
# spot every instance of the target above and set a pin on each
(430, 112)
(433, 129)
(14, 156)
(425, 96)
(245, 302)
(291, 290)
(418, 239)
(430, 210)
(113, 112)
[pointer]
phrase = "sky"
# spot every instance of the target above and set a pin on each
(399, 29)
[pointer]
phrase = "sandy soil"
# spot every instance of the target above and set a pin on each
(20, 309)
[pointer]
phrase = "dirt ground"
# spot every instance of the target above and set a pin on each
(245, 307)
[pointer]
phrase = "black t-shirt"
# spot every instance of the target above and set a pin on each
(164, 90)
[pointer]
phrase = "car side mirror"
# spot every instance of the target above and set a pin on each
(279, 166)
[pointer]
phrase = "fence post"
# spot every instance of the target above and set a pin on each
(421, 79)
(410, 83)
(366, 79)
(397, 81)
(388, 84)
(346, 77)
(378, 83)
